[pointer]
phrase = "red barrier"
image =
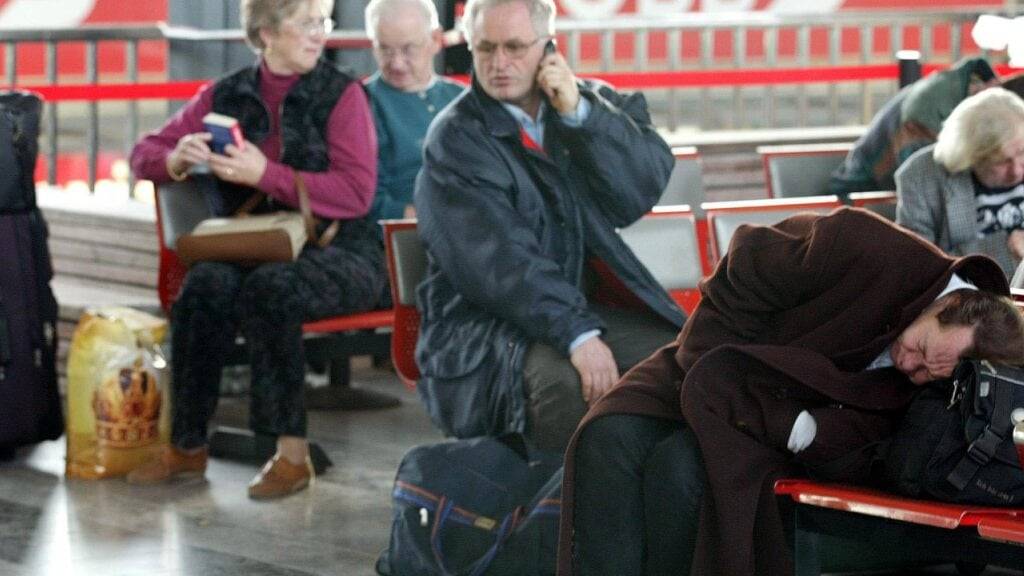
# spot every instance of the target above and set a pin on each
(182, 90)
(96, 92)
(73, 166)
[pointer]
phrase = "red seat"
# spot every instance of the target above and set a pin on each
(1002, 528)
(407, 261)
(880, 504)
(723, 218)
(179, 207)
(672, 244)
(923, 531)
(172, 273)
(800, 170)
(359, 321)
(1018, 296)
(406, 267)
(880, 202)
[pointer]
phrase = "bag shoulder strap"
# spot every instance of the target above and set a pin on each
(250, 203)
(307, 214)
(304, 208)
(984, 447)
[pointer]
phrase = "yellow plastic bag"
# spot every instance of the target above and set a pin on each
(118, 398)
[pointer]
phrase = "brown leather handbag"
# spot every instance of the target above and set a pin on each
(251, 240)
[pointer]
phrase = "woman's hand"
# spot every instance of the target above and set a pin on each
(190, 150)
(243, 165)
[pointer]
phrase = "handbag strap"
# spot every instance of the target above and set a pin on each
(250, 204)
(307, 214)
(304, 208)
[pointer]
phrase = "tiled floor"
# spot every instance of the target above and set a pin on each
(52, 526)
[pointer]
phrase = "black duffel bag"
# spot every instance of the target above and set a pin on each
(474, 507)
(956, 441)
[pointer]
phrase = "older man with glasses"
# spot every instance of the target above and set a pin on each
(405, 96)
(532, 304)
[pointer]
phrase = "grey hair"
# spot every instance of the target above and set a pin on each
(978, 128)
(542, 15)
(259, 14)
(378, 8)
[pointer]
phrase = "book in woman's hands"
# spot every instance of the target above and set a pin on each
(225, 130)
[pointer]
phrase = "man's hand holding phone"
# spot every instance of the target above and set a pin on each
(557, 81)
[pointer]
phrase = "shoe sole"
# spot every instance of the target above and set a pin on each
(298, 487)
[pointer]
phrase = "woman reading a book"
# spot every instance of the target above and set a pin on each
(296, 114)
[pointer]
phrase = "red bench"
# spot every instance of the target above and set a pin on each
(879, 529)
(407, 263)
(677, 270)
(797, 170)
(723, 218)
(330, 342)
(178, 208)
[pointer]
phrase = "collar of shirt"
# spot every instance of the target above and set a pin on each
(378, 76)
(534, 128)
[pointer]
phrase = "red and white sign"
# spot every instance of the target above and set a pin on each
(21, 14)
(596, 9)
(56, 14)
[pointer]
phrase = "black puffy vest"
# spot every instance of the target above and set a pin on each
(304, 116)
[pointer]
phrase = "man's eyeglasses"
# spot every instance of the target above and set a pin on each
(313, 26)
(514, 49)
(406, 51)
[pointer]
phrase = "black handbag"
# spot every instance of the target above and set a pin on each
(956, 441)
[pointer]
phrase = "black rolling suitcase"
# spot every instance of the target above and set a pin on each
(30, 404)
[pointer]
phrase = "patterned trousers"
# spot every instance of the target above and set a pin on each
(268, 306)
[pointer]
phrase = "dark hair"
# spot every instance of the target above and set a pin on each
(998, 324)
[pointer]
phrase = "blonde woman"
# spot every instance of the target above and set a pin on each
(965, 193)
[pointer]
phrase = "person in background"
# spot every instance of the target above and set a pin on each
(299, 114)
(525, 178)
(965, 193)
(405, 95)
(908, 122)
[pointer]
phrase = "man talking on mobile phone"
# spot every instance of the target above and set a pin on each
(532, 305)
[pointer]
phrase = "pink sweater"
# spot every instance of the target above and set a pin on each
(345, 190)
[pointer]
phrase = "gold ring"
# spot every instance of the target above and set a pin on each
(229, 171)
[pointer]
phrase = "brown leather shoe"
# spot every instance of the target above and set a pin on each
(279, 478)
(171, 464)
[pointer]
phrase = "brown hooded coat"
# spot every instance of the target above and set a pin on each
(789, 321)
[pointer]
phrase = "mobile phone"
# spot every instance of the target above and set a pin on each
(550, 47)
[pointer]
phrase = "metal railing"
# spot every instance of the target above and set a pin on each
(757, 39)
(670, 43)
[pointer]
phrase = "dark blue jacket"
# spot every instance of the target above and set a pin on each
(508, 232)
